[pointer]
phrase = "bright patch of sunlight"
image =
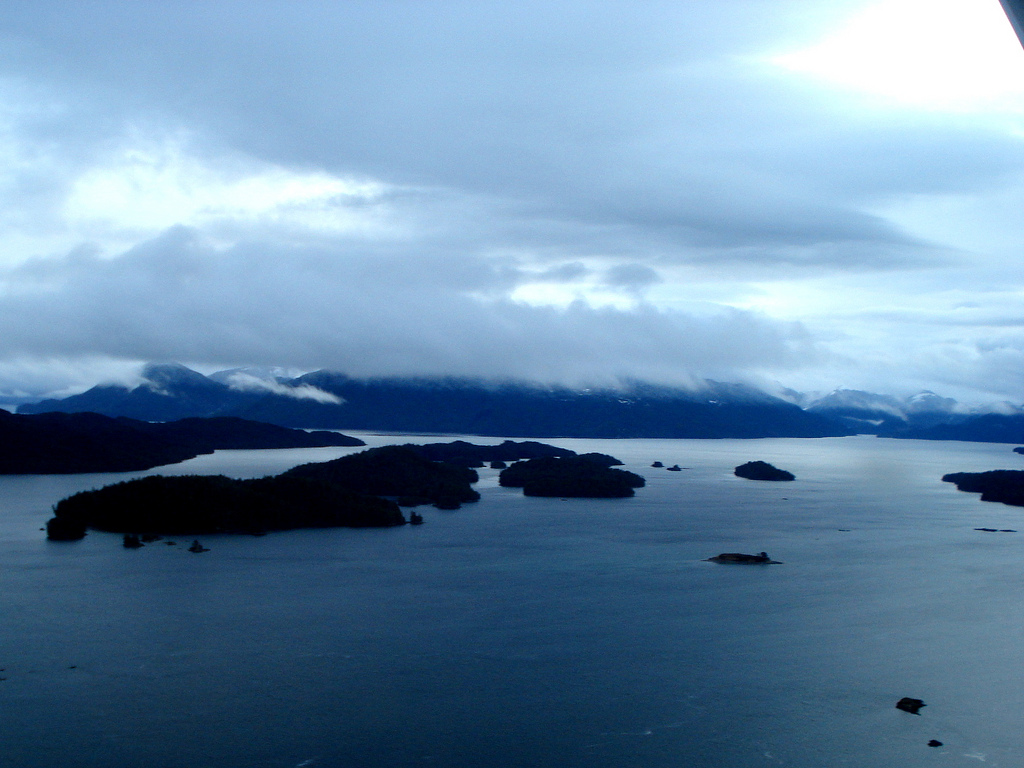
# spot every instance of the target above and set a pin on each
(955, 55)
(149, 187)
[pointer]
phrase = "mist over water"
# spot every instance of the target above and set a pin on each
(529, 632)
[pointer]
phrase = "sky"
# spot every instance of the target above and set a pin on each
(787, 193)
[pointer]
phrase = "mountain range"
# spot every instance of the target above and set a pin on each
(924, 416)
(331, 400)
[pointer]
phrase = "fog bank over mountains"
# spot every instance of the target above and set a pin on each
(332, 400)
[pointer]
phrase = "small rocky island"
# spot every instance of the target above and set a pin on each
(911, 705)
(586, 476)
(1003, 485)
(738, 558)
(762, 470)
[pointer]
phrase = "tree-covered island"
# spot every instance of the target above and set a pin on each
(586, 476)
(70, 443)
(345, 492)
(1004, 485)
(202, 504)
(762, 470)
(395, 470)
(470, 455)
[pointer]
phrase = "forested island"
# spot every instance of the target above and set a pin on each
(201, 504)
(396, 470)
(762, 470)
(587, 476)
(470, 455)
(1003, 485)
(346, 492)
(69, 443)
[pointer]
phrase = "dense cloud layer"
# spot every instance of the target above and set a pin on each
(575, 191)
(177, 298)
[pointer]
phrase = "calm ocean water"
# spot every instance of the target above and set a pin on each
(522, 632)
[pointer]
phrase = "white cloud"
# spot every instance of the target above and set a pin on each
(247, 383)
(177, 297)
(146, 186)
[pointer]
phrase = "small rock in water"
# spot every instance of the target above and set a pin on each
(913, 706)
(934, 743)
(738, 557)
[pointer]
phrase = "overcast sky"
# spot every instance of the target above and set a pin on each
(816, 194)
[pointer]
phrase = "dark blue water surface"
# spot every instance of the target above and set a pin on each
(523, 632)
